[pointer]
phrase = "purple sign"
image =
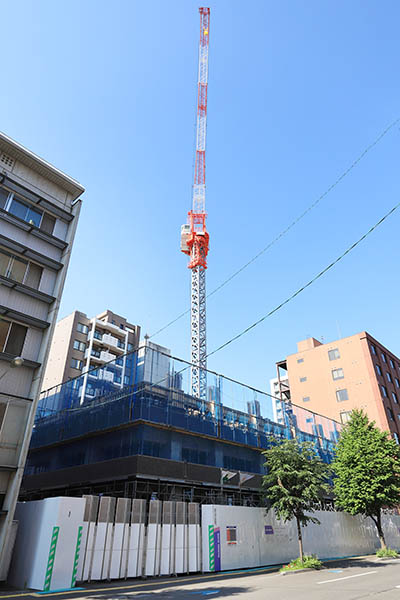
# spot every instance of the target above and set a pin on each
(217, 549)
(268, 530)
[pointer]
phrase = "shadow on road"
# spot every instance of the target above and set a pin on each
(358, 563)
(176, 594)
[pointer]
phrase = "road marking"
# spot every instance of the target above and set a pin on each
(348, 577)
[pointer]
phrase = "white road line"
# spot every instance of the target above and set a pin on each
(348, 577)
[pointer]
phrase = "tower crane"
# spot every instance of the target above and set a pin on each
(194, 236)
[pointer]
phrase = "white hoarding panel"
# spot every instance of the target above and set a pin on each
(236, 537)
(48, 542)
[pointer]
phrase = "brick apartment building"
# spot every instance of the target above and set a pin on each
(334, 378)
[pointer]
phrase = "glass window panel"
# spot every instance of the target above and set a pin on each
(47, 223)
(341, 395)
(337, 374)
(18, 269)
(4, 326)
(3, 406)
(16, 339)
(19, 209)
(333, 354)
(4, 262)
(33, 276)
(3, 197)
(34, 217)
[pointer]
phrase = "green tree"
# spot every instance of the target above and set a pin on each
(296, 481)
(367, 470)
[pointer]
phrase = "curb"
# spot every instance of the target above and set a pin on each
(292, 572)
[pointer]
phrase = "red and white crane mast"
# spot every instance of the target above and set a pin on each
(194, 236)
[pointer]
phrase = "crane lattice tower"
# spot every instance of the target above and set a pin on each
(194, 236)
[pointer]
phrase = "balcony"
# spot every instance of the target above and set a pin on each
(110, 327)
(107, 356)
(115, 343)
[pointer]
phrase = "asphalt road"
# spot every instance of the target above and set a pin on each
(353, 579)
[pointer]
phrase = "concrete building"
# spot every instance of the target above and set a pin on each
(352, 372)
(39, 210)
(157, 370)
(279, 389)
(88, 344)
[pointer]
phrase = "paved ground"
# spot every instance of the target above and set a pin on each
(355, 579)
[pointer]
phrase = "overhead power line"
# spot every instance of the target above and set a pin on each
(289, 227)
(313, 280)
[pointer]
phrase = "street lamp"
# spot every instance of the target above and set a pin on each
(18, 361)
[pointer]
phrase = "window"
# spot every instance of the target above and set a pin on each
(121, 344)
(300, 360)
(3, 197)
(82, 328)
(394, 398)
(337, 374)
(389, 377)
(378, 370)
(231, 534)
(117, 379)
(24, 211)
(76, 364)
(94, 373)
(345, 416)
(397, 382)
(97, 335)
(334, 354)
(384, 391)
(306, 399)
(126, 380)
(121, 326)
(96, 352)
(81, 346)
(383, 355)
(33, 276)
(342, 395)
(119, 361)
(19, 208)
(303, 379)
(19, 269)
(390, 413)
(395, 437)
(391, 363)
(130, 347)
(373, 349)
(12, 337)
(47, 223)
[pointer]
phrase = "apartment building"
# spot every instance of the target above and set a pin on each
(353, 372)
(39, 211)
(89, 345)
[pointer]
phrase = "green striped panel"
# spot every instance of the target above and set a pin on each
(211, 547)
(76, 559)
(50, 560)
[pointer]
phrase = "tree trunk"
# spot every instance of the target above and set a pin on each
(300, 538)
(380, 530)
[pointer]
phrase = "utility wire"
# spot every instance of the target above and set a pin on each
(289, 227)
(239, 335)
(313, 280)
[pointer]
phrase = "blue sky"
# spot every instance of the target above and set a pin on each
(107, 93)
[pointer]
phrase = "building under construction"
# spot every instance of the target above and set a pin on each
(153, 439)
